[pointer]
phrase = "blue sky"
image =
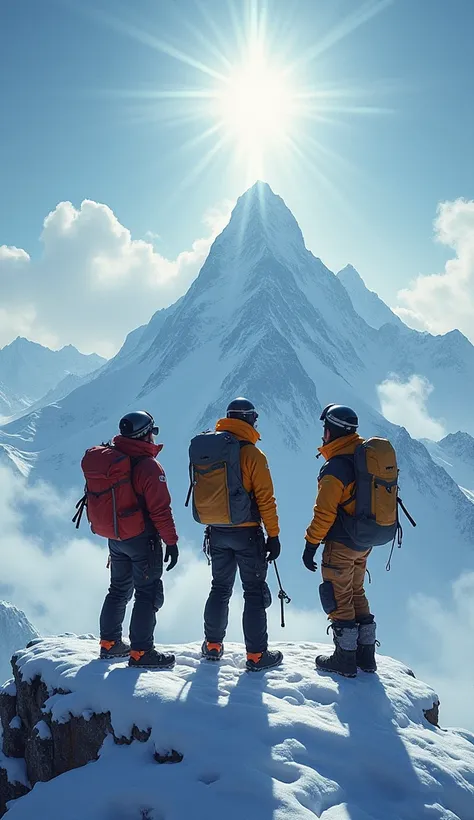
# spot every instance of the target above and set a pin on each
(74, 127)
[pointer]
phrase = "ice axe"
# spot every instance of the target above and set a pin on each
(284, 598)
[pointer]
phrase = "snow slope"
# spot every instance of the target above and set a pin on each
(455, 453)
(367, 303)
(288, 745)
(15, 632)
(28, 371)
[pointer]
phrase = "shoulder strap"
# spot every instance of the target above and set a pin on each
(245, 443)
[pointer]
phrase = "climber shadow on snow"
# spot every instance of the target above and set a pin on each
(237, 710)
(371, 763)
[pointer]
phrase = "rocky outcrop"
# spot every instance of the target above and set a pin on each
(49, 748)
(9, 791)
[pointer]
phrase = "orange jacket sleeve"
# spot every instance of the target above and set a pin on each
(257, 479)
(330, 493)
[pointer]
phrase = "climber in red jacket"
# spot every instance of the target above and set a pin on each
(137, 562)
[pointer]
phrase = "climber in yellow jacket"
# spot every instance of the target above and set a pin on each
(244, 546)
(343, 564)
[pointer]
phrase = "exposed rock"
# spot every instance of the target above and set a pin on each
(168, 757)
(12, 727)
(78, 741)
(30, 699)
(432, 715)
(51, 748)
(38, 757)
(9, 791)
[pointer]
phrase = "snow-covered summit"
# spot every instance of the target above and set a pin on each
(29, 370)
(15, 632)
(287, 745)
(459, 444)
(367, 303)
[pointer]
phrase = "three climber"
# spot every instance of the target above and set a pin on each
(128, 502)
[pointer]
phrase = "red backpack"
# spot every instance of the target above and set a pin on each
(110, 501)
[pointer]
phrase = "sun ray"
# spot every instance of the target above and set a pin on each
(252, 98)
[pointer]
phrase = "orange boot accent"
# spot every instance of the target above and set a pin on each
(211, 646)
(254, 656)
(107, 645)
(136, 655)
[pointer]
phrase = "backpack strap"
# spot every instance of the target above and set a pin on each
(402, 505)
(342, 474)
(80, 506)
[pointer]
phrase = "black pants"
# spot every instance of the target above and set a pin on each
(242, 547)
(135, 564)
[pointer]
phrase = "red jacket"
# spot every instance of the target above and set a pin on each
(149, 481)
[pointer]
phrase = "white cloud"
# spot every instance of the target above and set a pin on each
(61, 582)
(445, 301)
(93, 282)
(444, 635)
(405, 404)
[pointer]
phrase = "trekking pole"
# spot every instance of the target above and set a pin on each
(284, 598)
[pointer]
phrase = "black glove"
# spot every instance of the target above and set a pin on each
(308, 556)
(171, 555)
(272, 548)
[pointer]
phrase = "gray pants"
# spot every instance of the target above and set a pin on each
(242, 547)
(136, 564)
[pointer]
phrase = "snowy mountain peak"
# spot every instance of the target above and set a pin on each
(366, 302)
(29, 370)
(349, 273)
(261, 221)
(459, 444)
(15, 632)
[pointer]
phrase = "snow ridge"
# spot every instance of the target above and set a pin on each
(289, 744)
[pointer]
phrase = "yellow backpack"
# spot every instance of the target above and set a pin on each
(375, 520)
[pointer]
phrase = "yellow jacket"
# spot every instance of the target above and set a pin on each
(256, 476)
(334, 488)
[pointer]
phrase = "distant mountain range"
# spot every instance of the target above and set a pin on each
(28, 371)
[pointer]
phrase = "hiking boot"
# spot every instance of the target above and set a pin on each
(260, 661)
(366, 644)
(212, 651)
(113, 649)
(343, 659)
(151, 660)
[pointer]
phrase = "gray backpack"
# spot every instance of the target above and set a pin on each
(219, 496)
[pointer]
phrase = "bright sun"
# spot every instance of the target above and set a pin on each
(256, 105)
(255, 109)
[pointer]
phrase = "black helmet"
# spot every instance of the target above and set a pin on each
(242, 409)
(138, 424)
(341, 420)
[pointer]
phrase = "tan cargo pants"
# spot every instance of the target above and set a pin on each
(342, 591)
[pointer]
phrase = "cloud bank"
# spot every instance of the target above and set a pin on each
(405, 404)
(445, 301)
(443, 635)
(93, 282)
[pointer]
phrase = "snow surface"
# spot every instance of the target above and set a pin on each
(286, 745)
(15, 632)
